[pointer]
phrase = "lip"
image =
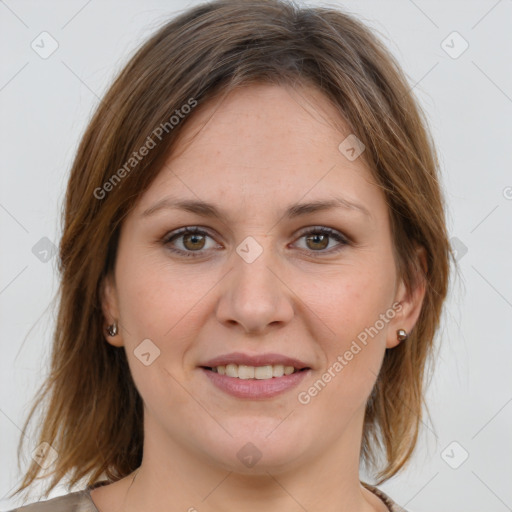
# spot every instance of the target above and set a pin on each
(254, 388)
(255, 360)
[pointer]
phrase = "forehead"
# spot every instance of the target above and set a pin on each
(265, 144)
(288, 123)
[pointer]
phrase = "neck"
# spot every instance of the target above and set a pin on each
(176, 479)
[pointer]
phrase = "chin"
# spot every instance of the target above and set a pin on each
(258, 446)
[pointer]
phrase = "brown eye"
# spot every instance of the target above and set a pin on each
(322, 240)
(317, 241)
(190, 241)
(193, 241)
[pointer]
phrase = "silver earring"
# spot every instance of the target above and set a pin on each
(112, 329)
(402, 335)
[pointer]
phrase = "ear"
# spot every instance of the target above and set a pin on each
(110, 308)
(410, 300)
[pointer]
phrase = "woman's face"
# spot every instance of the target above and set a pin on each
(271, 279)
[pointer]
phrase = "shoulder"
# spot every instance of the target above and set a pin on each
(78, 501)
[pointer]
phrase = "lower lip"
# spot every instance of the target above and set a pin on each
(255, 388)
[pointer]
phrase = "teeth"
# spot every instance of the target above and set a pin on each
(245, 372)
(263, 372)
(254, 372)
(277, 370)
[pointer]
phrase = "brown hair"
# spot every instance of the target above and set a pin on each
(92, 410)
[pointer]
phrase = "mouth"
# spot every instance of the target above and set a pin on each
(254, 376)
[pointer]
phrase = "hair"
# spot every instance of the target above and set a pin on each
(93, 415)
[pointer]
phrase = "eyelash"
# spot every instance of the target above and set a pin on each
(315, 230)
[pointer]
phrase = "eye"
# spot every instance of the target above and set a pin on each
(191, 241)
(318, 238)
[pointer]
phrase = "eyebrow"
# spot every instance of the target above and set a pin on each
(206, 209)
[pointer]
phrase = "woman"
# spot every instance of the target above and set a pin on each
(254, 262)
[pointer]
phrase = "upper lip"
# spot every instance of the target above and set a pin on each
(254, 360)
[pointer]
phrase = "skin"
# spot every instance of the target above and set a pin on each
(254, 153)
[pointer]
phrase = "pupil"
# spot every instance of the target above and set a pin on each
(323, 239)
(194, 239)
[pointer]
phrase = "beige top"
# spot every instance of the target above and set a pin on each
(81, 501)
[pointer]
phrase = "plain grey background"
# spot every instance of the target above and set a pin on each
(457, 57)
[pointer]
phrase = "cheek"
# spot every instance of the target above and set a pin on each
(352, 304)
(167, 305)
(157, 297)
(159, 303)
(351, 299)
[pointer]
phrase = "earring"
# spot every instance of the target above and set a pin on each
(402, 335)
(112, 329)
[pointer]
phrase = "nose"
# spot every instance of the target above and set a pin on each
(254, 296)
